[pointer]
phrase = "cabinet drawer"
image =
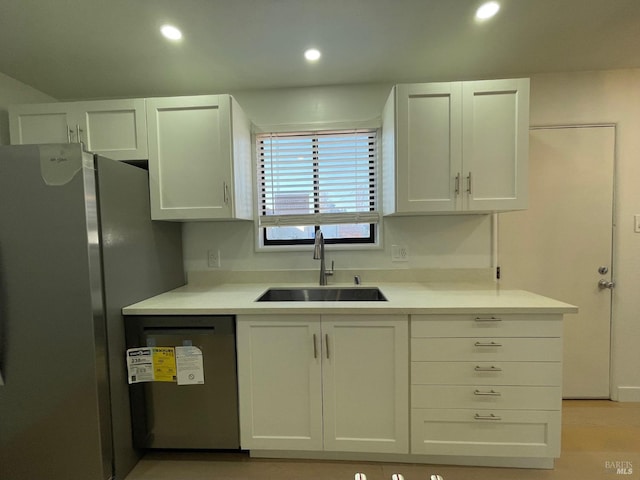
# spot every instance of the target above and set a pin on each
(486, 325)
(486, 396)
(503, 433)
(486, 373)
(486, 349)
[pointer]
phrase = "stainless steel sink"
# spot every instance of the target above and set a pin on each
(359, 294)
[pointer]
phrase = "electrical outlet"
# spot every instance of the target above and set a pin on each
(213, 258)
(399, 253)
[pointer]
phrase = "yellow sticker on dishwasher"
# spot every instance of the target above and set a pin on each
(164, 364)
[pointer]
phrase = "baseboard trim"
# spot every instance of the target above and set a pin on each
(475, 461)
(628, 394)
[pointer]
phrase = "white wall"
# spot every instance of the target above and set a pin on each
(462, 242)
(608, 97)
(13, 92)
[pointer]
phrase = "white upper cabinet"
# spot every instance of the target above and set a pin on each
(456, 147)
(199, 158)
(495, 144)
(114, 128)
(428, 148)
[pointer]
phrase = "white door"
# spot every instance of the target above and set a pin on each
(116, 129)
(279, 381)
(41, 123)
(365, 383)
(189, 157)
(429, 147)
(495, 116)
(558, 246)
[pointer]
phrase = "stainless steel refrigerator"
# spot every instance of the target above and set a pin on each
(76, 245)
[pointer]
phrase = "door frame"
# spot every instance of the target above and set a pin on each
(495, 256)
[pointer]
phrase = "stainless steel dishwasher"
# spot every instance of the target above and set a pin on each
(200, 416)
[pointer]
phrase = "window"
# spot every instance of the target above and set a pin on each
(317, 179)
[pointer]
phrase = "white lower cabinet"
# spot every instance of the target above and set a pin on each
(486, 385)
(333, 383)
(469, 389)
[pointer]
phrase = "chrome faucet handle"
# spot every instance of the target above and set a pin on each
(330, 272)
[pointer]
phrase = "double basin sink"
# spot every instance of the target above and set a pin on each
(323, 294)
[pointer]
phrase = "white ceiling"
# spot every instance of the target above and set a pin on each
(73, 49)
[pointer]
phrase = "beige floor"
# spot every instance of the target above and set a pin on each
(595, 434)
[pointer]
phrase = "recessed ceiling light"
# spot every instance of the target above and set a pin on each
(171, 32)
(487, 10)
(312, 55)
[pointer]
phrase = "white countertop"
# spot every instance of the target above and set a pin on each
(402, 298)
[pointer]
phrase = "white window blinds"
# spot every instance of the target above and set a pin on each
(317, 178)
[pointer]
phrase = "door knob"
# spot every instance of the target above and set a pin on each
(605, 284)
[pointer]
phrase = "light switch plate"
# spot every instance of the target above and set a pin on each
(636, 223)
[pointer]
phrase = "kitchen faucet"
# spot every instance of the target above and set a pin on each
(318, 254)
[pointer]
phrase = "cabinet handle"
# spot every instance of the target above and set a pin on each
(469, 183)
(491, 416)
(315, 346)
(225, 192)
(457, 184)
(490, 393)
(487, 344)
(488, 319)
(69, 132)
(79, 134)
(478, 368)
(326, 344)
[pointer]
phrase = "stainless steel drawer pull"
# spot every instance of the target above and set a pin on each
(487, 344)
(488, 319)
(491, 416)
(315, 346)
(479, 368)
(490, 393)
(326, 341)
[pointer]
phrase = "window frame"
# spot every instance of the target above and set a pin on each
(375, 187)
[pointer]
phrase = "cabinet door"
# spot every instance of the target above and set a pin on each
(428, 147)
(279, 380)
(116, 129)
(40, 123)
(365, 383)
(190, 157)
(495, 144)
